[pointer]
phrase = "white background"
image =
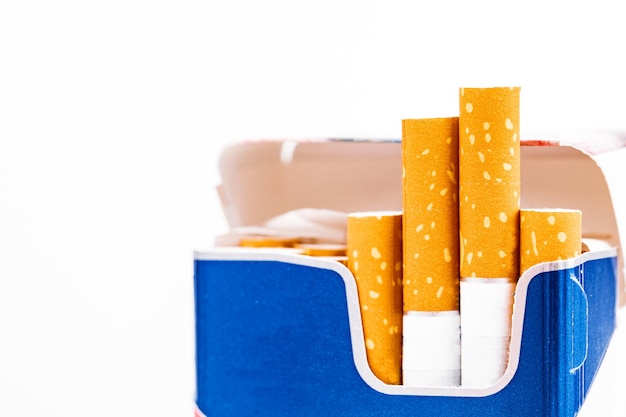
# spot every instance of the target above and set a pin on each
(112, 114)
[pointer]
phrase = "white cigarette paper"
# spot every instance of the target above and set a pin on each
(487, 306)
(434, 362)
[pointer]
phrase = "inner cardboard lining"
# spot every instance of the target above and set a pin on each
(259, 182)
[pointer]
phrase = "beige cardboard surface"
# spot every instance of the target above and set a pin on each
(264, 179)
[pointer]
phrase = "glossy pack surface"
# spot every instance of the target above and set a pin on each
(278, 336)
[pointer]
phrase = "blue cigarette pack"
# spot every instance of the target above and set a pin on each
(279, 333)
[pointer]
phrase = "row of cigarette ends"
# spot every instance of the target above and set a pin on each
(436, 281)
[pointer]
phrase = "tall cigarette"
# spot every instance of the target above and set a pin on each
(549, 235)
(489, 207)
(374, 249)
(431, 323)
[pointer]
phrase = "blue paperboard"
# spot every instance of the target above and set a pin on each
(279, 335)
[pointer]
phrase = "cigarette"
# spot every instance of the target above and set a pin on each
(431, 323)
(322, 249)
(489, 213)
(268, 242)
(374, 250)
(549, 235)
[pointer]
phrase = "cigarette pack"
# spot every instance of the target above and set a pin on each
(279, 333)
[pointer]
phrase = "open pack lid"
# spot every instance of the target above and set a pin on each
(264, 179)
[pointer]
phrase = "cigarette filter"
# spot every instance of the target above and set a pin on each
(489, 210)
(549, 235)
(374, 247)
(322, 249)
(431, 324)
(267, 242)
(489, 182)
(430, 159)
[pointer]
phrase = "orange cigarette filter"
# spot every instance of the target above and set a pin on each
(267, 242)
(374, 247)
(430, 149)
(322, 249)
(549, 235)
(489, 182)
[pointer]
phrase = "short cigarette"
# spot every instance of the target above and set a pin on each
(374, 249)
(268, 242)
(549, 235)
(431, 342)
(489, 209)
(322, 249)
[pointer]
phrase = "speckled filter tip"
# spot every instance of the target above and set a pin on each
(430, 159)
(549, 235)
(374, 249)
(489, 182)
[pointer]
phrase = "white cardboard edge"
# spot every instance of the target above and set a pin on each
(356, 327)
